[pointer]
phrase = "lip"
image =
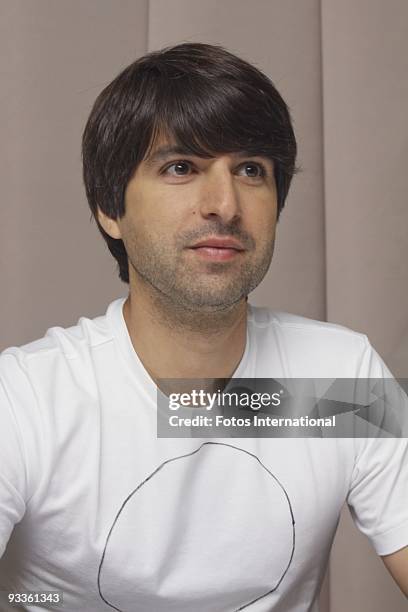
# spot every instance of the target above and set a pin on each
(217, 249)
(219, 243)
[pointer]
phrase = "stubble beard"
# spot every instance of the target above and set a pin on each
(192, 295)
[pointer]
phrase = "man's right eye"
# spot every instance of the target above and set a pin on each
(179, 168)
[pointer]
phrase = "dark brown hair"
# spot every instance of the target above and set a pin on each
(206, 99)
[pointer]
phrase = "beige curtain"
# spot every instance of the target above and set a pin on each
(341, 250)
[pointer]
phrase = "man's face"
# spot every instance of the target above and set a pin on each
(200, 231)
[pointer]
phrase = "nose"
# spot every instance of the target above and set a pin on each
(220, 196)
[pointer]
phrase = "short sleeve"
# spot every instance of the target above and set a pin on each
(378, 498)
(12, 471)
(16, 403)
(378, 494)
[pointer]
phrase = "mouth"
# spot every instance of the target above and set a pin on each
(218, 249)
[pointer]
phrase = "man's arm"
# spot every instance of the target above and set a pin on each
(397, 565)
(19, 445)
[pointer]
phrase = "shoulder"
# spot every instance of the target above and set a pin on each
(310, 348)
(59, 350)
(296, 325)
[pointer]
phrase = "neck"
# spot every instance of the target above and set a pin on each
(176, 342)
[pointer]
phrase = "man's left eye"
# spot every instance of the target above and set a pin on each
(253, 170)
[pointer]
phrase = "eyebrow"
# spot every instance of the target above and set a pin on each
(164, 152)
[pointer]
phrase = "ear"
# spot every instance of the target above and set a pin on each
(110, 226)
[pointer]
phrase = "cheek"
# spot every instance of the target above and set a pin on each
(156, 211)
(261, 222)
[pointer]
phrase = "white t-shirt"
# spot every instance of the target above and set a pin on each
(93, 504)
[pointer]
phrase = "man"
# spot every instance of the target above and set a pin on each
(188, 157)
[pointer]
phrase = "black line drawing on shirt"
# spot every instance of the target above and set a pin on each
(246, 605)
